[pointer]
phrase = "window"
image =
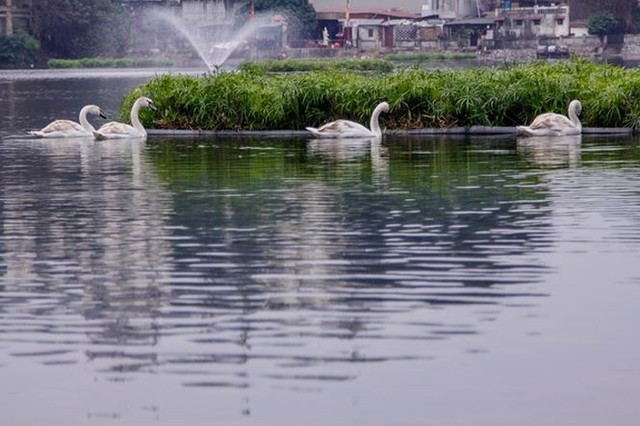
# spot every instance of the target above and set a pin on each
(560, 21)
(519, 22)
(536, 22)
(370, 33)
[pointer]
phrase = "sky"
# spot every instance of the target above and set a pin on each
(408, 5)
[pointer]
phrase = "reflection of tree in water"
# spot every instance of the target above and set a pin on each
(84, 221)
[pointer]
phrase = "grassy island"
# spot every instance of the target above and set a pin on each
(253, 99)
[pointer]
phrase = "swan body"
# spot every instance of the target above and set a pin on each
(116, 130)
(350, 129)
(551, 124)
(71, 129)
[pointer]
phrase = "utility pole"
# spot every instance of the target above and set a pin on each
(9, 25)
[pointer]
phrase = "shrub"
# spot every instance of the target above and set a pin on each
(18, 50)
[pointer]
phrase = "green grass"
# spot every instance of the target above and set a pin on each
(499, 96)
(108, 63)
(428, 56)
(298, 65)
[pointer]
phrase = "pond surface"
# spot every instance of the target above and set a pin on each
(265, 281)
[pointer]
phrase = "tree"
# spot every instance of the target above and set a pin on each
(82, 28)
(621, 10)
(18, 50)
(301, 16)
(602, 25)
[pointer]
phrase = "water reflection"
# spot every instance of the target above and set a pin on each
(552, 151)
(236, 265)
(341, 150)
(83, 229)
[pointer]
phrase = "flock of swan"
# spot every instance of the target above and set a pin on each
(547, 124)
(111, 130)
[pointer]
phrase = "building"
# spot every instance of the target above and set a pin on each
(451, 9)
(527, 23)
(14, 15)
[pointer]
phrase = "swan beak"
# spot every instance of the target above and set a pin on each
(103, 115)
(152, 106)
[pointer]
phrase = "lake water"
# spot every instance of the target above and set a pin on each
(268, 281)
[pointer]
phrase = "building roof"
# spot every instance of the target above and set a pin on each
(361, 22)
(333, 13)
(470, 22)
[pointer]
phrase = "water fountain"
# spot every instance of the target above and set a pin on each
(215, 44)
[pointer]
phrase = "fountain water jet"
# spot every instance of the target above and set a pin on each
(214, 49)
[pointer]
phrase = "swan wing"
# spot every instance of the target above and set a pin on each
(62, 129)
(115, 129)
(551, 121)
(341, 129)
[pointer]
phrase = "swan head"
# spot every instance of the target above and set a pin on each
(146, 102)
(576, 105)
(95, 110)
(384, 106)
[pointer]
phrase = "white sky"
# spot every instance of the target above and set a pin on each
(407, 5)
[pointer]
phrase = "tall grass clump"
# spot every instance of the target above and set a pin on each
(501, 96)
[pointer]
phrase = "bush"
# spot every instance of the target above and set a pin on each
(18, 51)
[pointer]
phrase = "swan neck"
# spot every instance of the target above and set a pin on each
(84, 122)
(135, 118)
(574, 117)
(375, 124)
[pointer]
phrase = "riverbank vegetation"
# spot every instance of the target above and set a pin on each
(109, 63)
(419, 98)
(326, 64)
(428, 56)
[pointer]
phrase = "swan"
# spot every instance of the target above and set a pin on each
(552, 124)
(115, 130)
(350, 129)
(68, 128)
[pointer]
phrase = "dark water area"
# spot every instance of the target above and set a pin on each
(286, 281)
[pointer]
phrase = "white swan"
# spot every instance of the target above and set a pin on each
(116, 130)
(71, 129)
(551, 124)
(350, 129)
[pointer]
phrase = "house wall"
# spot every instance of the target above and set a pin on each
(450, 9)
(369, 37)
(532, 22)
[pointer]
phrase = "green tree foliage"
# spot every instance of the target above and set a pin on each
(301, 16)
(82, 28)
(18, 50)
(621, 10)
(602, 25)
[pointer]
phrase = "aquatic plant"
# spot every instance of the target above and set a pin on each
(500, 96)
